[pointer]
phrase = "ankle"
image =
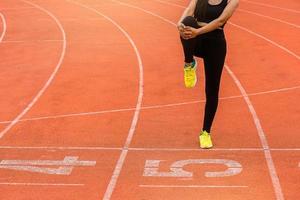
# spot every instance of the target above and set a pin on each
(205, 131)
(190, 64)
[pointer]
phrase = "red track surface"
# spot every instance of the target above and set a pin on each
(75, 73)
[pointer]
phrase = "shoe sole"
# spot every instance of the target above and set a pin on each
(206, 147)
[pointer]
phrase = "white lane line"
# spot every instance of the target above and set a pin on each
(121, 160)
(270, 163)
(72, 19)
(198, 149)
(249, 31)
(270, 6)
(4, 27)
(267, 5)
(285, 149)
(263, 139)
(17, 9)
(193, 186)
(268, 17)
(266, 39)
(146, 107)
(146, 11)
(171, 4)
(60, 148)
(49, 81)
(74, 114)
(274, 91)
(54, 148)
(29, 41)
(242, 10)
(55, 40)
(40, 184)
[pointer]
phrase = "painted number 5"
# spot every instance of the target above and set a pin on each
(176, 169)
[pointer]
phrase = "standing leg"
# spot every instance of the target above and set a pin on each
(215, 52)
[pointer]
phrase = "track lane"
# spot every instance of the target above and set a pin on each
(85, 83)
(24, 64)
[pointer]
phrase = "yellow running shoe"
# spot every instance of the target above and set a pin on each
(190, 75)
(205, 140)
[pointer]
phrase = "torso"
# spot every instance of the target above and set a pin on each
(214, 10)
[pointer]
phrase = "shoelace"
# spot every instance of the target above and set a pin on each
(189, 75)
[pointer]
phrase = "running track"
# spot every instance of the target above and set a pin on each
(93, 104)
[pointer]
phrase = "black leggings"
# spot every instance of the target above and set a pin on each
(212, 48)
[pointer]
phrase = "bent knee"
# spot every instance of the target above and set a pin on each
(190, 21)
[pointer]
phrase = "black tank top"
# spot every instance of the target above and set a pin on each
(212, 12)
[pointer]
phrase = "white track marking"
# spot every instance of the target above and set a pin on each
(241, 10)
(67, 161)
(266, 39)
(193, 186)
(285, 149)
(249, 31)
(121, 160)
(267, 5)
(186, 149)
(279, 46)
(4, 27)
(275, 91)
(40, 184)
(29, 41)
(171, 4)
(146, 107)
(20, 8)
(271, 18)
(55, 148)
(54, 40)
(61, 148)
(270, 6)
(213, 149)
(74, 114)
(64, 167)
(263, 139)
(49, 81)
(72, 19)
(270, 163)
(146, 11)
(133, 149)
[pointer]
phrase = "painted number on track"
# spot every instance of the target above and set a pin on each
(64, 167)
(176, 168)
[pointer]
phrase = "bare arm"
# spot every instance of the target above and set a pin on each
(189, 11)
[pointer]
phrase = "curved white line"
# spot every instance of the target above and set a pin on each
(4, 27)
(147, 107)
(264, 38)
(113, 181)
(21, 8)
(276, 7)
(40, 93)
(244, 29)
(268, 17)
(286, 9)
(262, 136)
(263, 139)
(144, 149)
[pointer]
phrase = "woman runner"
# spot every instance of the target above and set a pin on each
(201, 33)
